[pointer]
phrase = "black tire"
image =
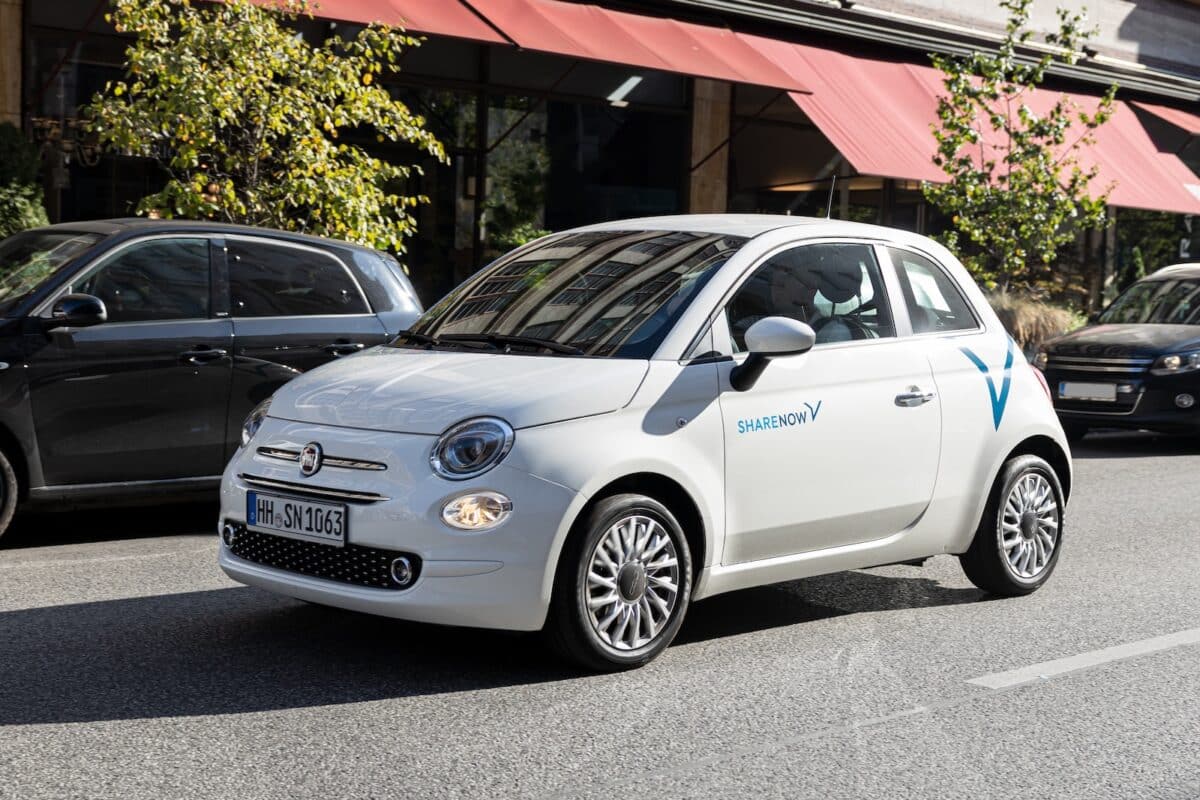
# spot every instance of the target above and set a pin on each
(10, 492)
(570, 629)
(1075, 431)
(986, 563)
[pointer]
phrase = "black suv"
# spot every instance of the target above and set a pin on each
(132, 350)
(1139, 366)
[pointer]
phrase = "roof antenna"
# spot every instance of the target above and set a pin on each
(829, 205)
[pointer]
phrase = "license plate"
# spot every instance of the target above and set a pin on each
(297, 519)
(1073, 390)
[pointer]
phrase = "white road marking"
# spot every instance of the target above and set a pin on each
(1059, 666)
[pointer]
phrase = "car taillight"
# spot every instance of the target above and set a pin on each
(1045, 386)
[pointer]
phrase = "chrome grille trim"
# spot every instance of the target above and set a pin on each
(1129, 366)
(281, 454)
(314, 491)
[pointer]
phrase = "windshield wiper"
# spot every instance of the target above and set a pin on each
(500, 340)
(419, 338)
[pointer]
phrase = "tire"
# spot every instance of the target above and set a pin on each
(10, 492)
(1000, 571)
(602, 545)
(1075, 431)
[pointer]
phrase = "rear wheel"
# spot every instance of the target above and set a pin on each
(10, 491)
(1017, 543)
(623, 585)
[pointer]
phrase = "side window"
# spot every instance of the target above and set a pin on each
(934, 302)
(268, 280)
(835, 288)
(158, 279)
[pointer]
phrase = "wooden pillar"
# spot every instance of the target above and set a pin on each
(11, 50)
(708, 184)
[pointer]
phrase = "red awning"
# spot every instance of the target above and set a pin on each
(878, 114)
(600, 34)
(1180, 119)
(442, 17)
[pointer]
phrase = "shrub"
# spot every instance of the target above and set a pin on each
(20, 193)
(1030, 321)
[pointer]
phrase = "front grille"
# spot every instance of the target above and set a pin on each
(1099, 366)
(353, 564)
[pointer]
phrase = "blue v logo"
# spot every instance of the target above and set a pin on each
(999, 399)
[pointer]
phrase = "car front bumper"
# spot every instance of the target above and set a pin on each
(499, 578)
(1145, 402)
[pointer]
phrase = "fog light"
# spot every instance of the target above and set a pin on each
(402, 571)
(1185, 400)
(477, 512)
(228, 534)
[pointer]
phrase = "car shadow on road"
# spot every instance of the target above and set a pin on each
(1134, 444)
(814, 599)
(49, 528)
(239, 650)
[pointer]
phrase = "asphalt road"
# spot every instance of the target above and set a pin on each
(130, 667)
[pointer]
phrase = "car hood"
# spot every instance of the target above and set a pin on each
(423, 391)
(1115, 341)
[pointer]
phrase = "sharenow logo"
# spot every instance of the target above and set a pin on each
(785, 419)
(999, 399)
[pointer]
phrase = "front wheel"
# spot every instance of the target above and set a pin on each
(1018, 541)
(623, 585)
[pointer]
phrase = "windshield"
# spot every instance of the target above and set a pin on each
(1170, 302)
(610, 293)
(28, 258)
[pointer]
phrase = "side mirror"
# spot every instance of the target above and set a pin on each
(1093, 318)
(76, 311)
(770, 337)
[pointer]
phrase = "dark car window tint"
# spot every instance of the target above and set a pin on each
(934, 302)
(1167, 302)
(268, 280)
(28, 258)
(158, 279)
(835, 288)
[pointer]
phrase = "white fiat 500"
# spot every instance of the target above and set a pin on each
(612, 422)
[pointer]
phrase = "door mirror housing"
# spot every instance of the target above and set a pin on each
(76, 311)
(771, 337)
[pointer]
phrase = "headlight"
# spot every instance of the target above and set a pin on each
(254, 421)
(477, 512)
(1040, 359)
(1176, 363)
(471, 448)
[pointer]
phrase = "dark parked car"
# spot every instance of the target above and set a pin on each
(132, 350)
(1138, 366)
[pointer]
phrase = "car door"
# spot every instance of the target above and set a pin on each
(294, 307)
(142, 396)
(840, 445)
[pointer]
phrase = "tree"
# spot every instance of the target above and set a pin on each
(20, 192)
(1016, 192)
(250, 120)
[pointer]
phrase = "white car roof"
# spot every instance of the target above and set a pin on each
(751, 225)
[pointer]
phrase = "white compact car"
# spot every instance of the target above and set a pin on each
(612, 422)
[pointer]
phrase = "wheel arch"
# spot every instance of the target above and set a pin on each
(1048, 450)
(665, 490)
(15, 454)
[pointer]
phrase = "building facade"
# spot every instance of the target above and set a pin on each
(558, 113)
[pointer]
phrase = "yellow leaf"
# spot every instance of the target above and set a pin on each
(367, 79)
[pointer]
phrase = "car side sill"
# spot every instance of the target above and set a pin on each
(124, 489)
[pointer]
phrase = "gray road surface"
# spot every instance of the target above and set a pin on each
(131, 668)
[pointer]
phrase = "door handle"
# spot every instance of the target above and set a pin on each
(913, 397)
(202, 355)
(343, 348)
